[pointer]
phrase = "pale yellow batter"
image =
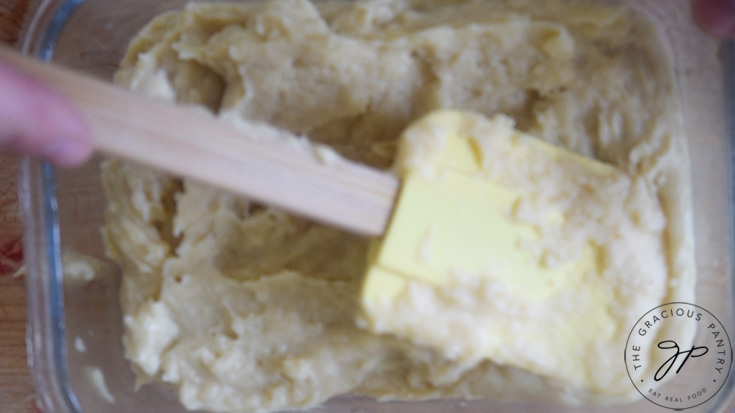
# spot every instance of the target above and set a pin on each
(244, 308)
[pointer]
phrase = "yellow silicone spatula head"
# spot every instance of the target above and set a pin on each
(499, 247)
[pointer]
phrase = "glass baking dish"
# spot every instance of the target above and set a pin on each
(74, 326)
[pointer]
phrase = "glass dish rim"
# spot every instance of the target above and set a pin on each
(39, 210)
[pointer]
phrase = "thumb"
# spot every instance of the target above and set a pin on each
(716, 17)
(37, 121)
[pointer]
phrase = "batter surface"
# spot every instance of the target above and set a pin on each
(244, 308)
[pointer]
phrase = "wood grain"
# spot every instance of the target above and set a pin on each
(16, 391)
(12, 13)
(250, 161)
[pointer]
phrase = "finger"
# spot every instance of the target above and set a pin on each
(716, 17)
(37, 121)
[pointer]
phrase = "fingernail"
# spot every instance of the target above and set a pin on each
(67, 153)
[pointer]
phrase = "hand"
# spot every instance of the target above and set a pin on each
(716, 17)
(37, 121)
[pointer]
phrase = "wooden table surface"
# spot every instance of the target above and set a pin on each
(16, 391)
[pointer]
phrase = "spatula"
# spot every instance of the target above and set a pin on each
(455, 219)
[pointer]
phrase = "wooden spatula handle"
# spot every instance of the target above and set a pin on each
(194, 144)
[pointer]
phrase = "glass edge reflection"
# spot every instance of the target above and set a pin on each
(53, 242)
